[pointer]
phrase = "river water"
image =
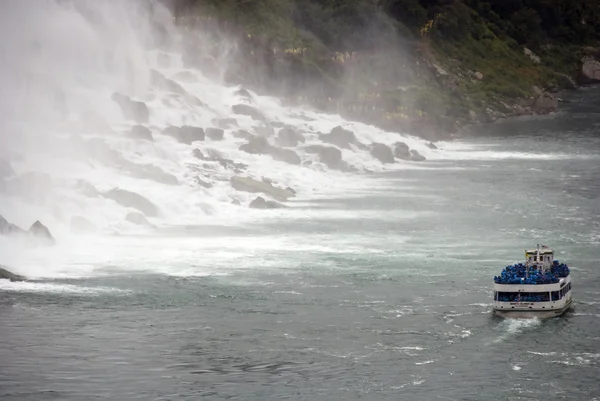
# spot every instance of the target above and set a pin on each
(383, 293)
(374, 286)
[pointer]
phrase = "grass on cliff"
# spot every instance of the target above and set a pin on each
(463, 37)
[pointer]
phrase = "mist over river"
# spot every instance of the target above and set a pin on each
(374, 284)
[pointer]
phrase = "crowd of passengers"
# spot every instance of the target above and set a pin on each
(516, 274)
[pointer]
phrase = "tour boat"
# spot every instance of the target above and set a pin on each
(538, 288)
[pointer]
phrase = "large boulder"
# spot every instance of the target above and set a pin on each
(216, 134)
(131, 199)
(257, 145)
(402, 151)
(246, 110)
(225, 122)
(243, 93)
(545, 103)
(416, 156)
(382, 152)
(261, 203)
(138, 219)
(289, 136)
(168, 85)
(132, 110)
(328, 155)
(242, 134)
(150, 172)
(141, 132)
(265, 130)
(247, 184)
(7, 228)
(285, 155)
(590, 70)
(7, 275)
(340, 137)
(185, 134)
(40, 231)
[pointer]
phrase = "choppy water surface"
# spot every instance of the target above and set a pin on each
(373, 286)
(383, 294)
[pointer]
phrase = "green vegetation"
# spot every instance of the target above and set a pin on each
(396, 62)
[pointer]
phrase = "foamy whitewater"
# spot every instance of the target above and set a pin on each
(62, 74)
(63, 62)
(374, 284)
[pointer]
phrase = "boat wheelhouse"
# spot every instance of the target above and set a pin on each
(540, 287)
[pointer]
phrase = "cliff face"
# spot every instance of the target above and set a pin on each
(426, 66)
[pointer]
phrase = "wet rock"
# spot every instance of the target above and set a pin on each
(289, 136)
(247, 184)
(168, 85)
(215, 134)
(225, 122)
(246, 110)
(416, 156)
(141, 132)
(185, 134)
(257, 145)
(285, 155)
(590, 70)
(382, 152)
(545, 104)
(198, 153)
(402, 151)
(431, 145)
(132, 110)
(243, 93)
(260, 203)
(40, 231)
(340, 137)
(328, 155)
(7, 228)
(150, 172)
(131, 199)
(87, 189)
(137, 218)
(242, 134)
(203, 183)
(236, 202)
(7, 275)
(265, 130)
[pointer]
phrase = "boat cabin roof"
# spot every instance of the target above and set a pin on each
(543, 251)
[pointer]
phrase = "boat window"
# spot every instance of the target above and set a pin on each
(555, 296)
(523, 296)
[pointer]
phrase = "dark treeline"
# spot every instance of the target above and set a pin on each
(384, 58)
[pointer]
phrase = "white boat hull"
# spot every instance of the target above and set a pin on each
(533, 313)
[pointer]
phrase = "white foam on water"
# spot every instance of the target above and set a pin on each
(26, 286)
(68, 60)
(514, 327)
